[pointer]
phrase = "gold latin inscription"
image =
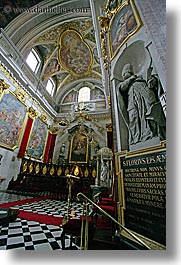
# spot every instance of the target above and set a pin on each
(146, 185)
(145, 161)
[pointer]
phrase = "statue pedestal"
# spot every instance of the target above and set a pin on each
(149, 143)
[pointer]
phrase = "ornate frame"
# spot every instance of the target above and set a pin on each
(15, 117)
(73, 31)
(73, 155)
(126, 14)
(45, 136)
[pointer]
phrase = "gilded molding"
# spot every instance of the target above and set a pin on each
(43, 118)
(121, 190)
(116, 16)
(109, 100)
(111, 10)
(20, 95)
(104, 23)
(109, 127)
(144, 151)
(3, 87)
(53, 34)
(75, 67)
(10, 76)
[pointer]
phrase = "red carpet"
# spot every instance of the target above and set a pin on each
(41, 218)
(10, 204)
(104, 223)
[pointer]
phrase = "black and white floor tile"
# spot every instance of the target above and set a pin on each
(29, 235)
(51, 207)
(10, 197)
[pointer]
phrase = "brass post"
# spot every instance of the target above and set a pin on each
(86, 227)
(82, 227)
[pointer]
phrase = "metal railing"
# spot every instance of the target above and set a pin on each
(80, 194)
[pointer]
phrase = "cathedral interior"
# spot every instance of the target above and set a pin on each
(83, 125)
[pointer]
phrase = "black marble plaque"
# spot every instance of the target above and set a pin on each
(144, 180)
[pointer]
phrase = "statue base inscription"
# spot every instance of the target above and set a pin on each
(144, 181)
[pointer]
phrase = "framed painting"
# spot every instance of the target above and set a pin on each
(37, 140)
(78, 149)
(12, 119)
(123, 25)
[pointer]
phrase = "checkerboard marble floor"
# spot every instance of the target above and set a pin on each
(29, 235)
(51, 207)
(10, 197)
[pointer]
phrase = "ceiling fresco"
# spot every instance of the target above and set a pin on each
(74, 53)
(69, 52)
(67, 47)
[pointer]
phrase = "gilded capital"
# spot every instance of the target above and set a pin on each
(54, 129)
(32, 112)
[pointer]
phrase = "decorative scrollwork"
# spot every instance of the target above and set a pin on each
(3, 86)
(43, 117)
(104, 23)
(20, 96)
(109, 127)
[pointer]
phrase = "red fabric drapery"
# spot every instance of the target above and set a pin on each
(110, 140)
(49, 147)
(46, 154)
(25, 138)
(52, 145)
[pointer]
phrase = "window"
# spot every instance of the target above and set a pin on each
(50, 86)
(33, 60)
(84, 94)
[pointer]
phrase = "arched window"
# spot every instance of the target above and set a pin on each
(50, 86)
(84, 94)
(33, 60)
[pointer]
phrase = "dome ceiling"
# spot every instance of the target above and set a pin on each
(69, 53)
(65, 40)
